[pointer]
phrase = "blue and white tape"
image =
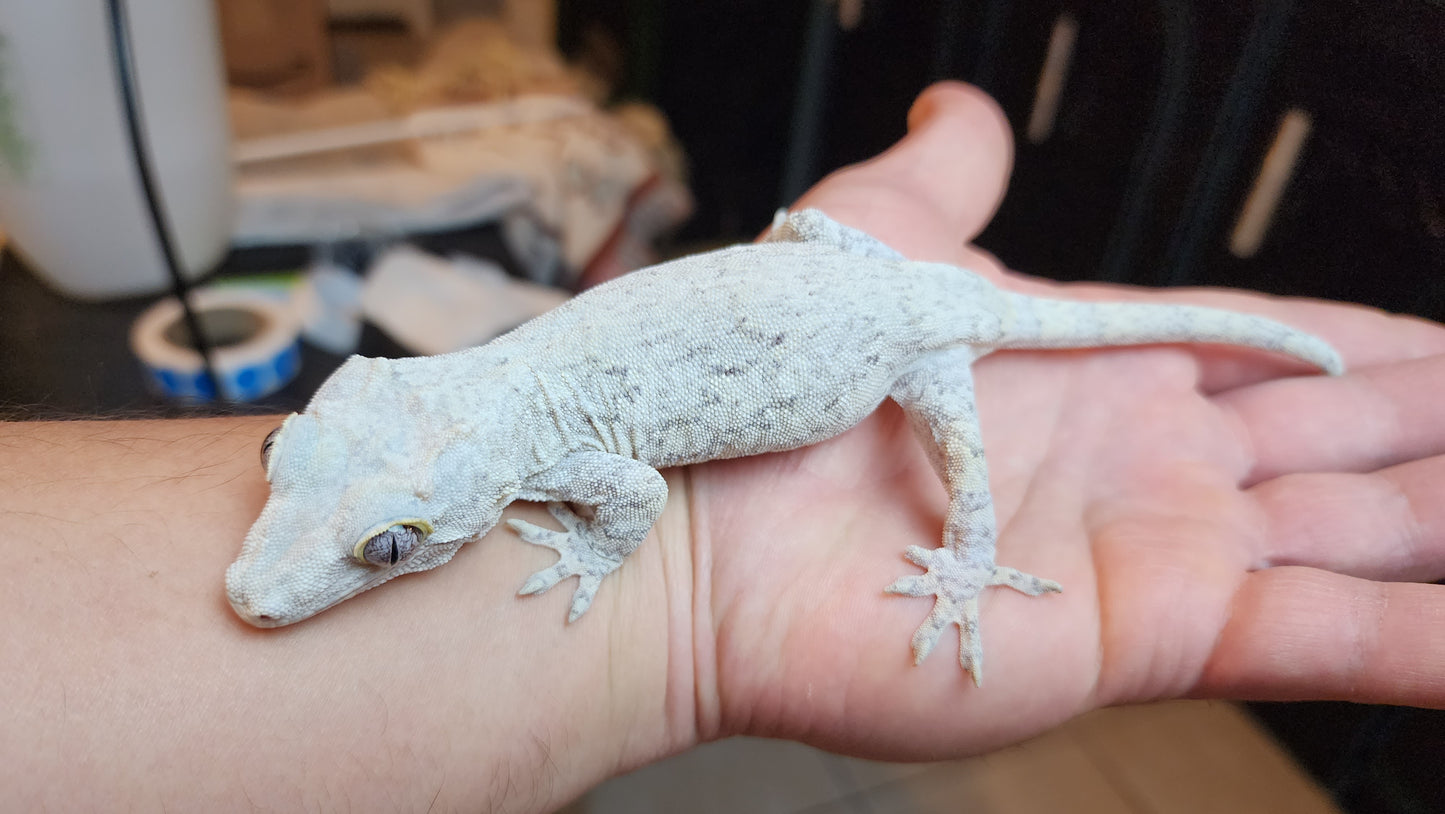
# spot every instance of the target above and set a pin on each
(254, 345)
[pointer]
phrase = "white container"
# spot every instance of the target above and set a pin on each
(70, 189)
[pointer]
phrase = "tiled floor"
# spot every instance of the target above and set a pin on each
(1187, 757)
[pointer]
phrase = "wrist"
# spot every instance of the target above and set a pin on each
(440, 687)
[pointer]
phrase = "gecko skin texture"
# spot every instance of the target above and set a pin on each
(746, 350)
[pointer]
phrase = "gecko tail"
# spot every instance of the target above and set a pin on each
(1039, 324)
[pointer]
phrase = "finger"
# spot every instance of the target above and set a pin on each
(1359, 422)
(937, 187)
(1298, 633)
(1387, 525)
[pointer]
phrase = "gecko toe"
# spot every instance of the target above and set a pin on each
(539, 535)
(577, 557)
(919, 556)
(543, 580)
(918, 585)
(582, 598)
(970, 646)
(925, 638)
(563, 514)
(957, 583)
(1024, 583)
(948, 611)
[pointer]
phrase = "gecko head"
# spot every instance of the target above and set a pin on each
(359, 496)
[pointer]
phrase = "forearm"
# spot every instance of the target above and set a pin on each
(123, 664)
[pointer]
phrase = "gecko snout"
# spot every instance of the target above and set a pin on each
(252, 605)
(254, 613)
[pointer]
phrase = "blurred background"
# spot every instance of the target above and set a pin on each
(293, 181)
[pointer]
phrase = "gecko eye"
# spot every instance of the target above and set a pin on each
(266, 446)
(389, 547)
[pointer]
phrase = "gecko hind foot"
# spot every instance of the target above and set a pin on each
(577, 557)
(957, 584)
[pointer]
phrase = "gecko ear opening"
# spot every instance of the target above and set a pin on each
(394, 544)
(266, 447)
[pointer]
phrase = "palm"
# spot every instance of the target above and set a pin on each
(1131, 505)
(1126, 475)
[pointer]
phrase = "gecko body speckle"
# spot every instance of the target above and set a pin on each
(772, 346)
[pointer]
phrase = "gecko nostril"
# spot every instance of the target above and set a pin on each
(266, 620)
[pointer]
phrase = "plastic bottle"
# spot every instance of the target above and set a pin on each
(70, 190)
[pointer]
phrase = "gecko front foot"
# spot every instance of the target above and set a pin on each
(579, 557)
(957, 584)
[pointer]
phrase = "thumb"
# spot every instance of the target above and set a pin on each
(935, 189)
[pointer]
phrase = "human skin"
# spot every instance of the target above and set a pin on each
(1219, 532)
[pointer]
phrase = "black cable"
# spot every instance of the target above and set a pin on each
(130, 105)
(1152, 159)
(1238, 114)
(950, 28)
(991, 43)
(800, 166)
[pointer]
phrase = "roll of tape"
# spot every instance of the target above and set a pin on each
(253, 338)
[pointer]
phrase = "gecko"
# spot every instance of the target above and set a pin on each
(756, 348)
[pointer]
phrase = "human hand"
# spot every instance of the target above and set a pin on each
(1219, 531)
